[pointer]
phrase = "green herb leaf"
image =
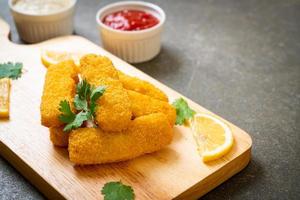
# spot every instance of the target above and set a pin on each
(84, 102)
(83, 89)
(117, 191)
(71, 119)
(97, 93)
(93, 106)
(77, 122)
(80, 104)
(11, 70)
(67, 115)
(183, 111)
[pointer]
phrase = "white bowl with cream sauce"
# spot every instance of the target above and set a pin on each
(39, 20)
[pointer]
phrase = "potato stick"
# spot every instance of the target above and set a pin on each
(114, 108)
(146, 134)
(141, 86)
(144, 105)
(59, 85)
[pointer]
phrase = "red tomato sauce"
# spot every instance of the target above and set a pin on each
(130, 20)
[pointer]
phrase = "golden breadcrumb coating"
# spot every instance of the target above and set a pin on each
(94, 67)
(139, 109)
(141, 86)
(146, 134)
(59, 137)
(145, 105)
(59, 85)
(114, 108)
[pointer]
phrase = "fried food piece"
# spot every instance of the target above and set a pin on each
(114, 107)
(138, 109)
(145, 105)
(114, 110)
(146, 134)
(59, 85)
(94, 67)
(141, 86)
(59, 137)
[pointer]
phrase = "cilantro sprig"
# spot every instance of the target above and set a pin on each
(117, 191)
(84, 103)
(11, 70)
(183, 111)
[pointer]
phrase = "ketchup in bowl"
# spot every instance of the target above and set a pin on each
(130, 20)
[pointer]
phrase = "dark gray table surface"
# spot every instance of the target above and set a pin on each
(239, 59)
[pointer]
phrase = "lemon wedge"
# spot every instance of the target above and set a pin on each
(50, 57)
(4, 97)
(213, 137)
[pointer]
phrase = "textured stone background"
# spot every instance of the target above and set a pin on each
(239, 59)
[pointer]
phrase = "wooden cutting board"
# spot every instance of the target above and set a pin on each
(176, 172)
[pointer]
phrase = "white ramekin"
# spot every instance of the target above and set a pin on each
(132, 46)
(34, 28)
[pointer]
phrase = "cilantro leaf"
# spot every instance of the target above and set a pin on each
(93, 106)
(67, 115)
(80, 104)
(11, 70)
(117, 191)
(183, 111)
(97, 93)
(77, 122)
(84, 102)
(83, 89)
(71, 119)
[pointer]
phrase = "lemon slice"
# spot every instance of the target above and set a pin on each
(4, 97)
(214, 138)
(50, 57)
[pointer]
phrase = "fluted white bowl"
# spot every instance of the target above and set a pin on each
(132, 46)
(34, 28)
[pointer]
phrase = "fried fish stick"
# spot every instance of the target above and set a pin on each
(59, 85)
(146, 134)
(114, 110)
(59, 137)
(141, 86)
(94, 67)
(145, 105)
(138, 108)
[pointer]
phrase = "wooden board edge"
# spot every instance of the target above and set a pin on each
(33, 177)
(217, 178)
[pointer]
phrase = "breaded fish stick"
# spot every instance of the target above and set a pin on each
(138, 108)
(59, 85)
(141, 86)
(114, 110)
(144, 105)
(146, 134)
(59, 137)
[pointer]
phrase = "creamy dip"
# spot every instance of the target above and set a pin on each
(41, 6)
